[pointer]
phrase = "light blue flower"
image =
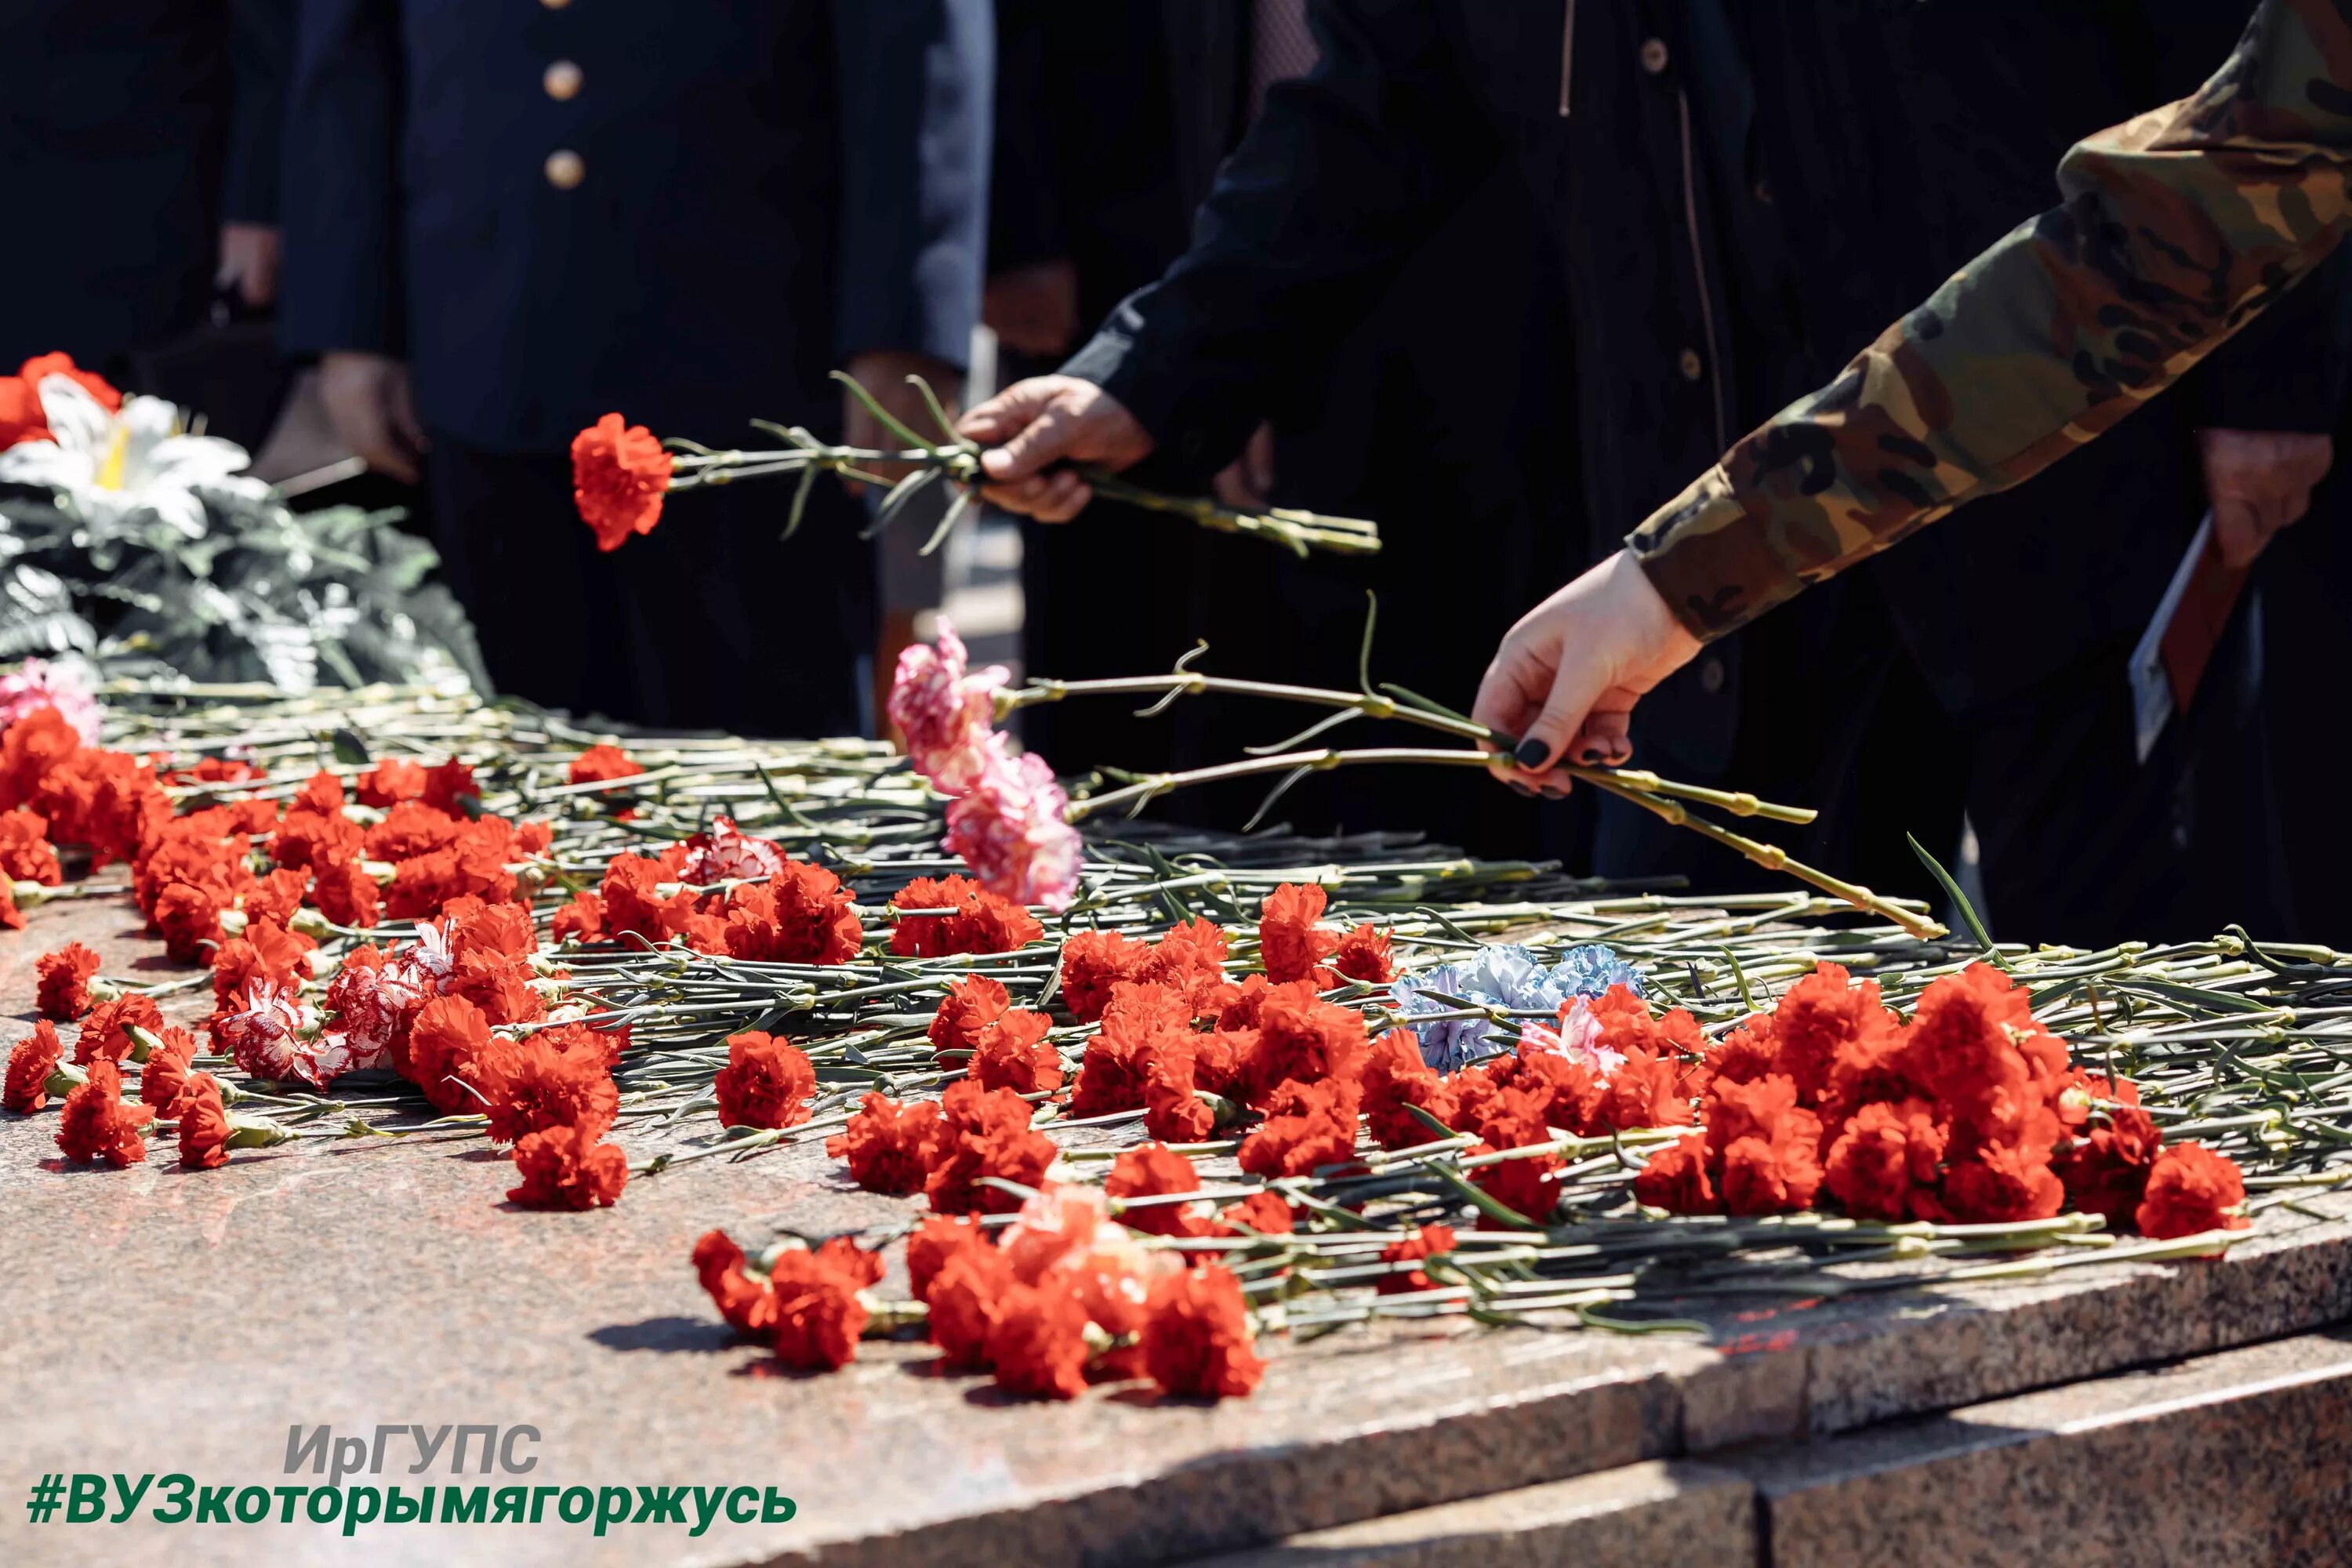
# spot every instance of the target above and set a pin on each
(1502, 976)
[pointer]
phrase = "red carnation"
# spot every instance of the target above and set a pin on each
(971, 1005)
(619, 472)
(748, 1305)
(62, 992)
(106, 1029)
(532, 1084)
(565, 1168)
(1394, 1078)
(203, 1124)
(1196, 1337)
(983, 922)
(1289, 946)
(2105, 1168)
(1646, 1090)
(346, 894)
(1884, 1154)
(890, 1146)
(1092, 962)
(1677, 1179)
(1153, 1171)
(939, 1237)
(30, 1063)
(1014, 1054)
(1303, 1037)
(2191, 1190)
(1141, 1025)
(1778, 1173)
(1037, 1341)
(1173, 1110)
(582, 919)
(445, 1044)
(801, 915)
(2001, 1184)
(986, 1133)
(21, 418)
(819, 1313)
(25, 854)
(1307, 1125)
(602, 763)
(1513, 1119)
(964, 1295)
(1265, 1212)
(767, 1082)
(52, 364)
(1428, 1241)
(97, 1125)
(389, 782)
(166, 1071)
(1363, 954)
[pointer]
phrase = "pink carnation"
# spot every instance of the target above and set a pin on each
(36, 684)
(946, 713)
(725, 853)
(269, 1033)
(1008, 830)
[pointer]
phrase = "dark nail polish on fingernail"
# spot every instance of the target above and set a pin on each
(1531, 753)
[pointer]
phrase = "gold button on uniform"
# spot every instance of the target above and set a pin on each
(1654, 56)
(1693, 366)
(561, 81)
(555, 5)
(564, 169)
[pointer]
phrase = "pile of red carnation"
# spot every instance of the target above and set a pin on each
(1970, 1112)
(1065, 1296)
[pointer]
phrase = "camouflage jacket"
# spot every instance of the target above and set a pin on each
(2173, 230)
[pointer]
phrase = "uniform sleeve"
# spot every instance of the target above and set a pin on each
(261, 55)
(340, 203)
(916, 88)
(2172, 232)
(1344, 173)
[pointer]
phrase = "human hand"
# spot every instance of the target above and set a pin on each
(367, 398)
(1033, 310)
(883, 373)
(2258, 482)
(1247, 483)
(1046, 419)
(249, 254)
(1565, 678)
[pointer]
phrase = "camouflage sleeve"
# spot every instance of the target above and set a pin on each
(2172, 232)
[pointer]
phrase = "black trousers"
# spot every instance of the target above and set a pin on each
(2079, 842)
(710, 622)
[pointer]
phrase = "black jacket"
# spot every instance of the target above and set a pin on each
(1742, 194)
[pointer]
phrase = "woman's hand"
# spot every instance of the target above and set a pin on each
(1565, 680)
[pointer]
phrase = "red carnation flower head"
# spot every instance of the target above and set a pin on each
(391, 781)
(1301, 1036)
(1307, 1125)
(97, 1125)
(1514, 1119)
(601, 763)
(972, 1004)
(1646, 1090)
(767, 1082)
(532, 1084)
(1141, 1025)
(1288, 944)
(2001, 1184)
(1037, 1341)
(1014, 1054)
(106, 1029)
(1428, 1241)
(2106, 1166)
(1824, 1019)
(100, 390)
(1092, 962)
(25, 853)
(21, 416)
(939, 1237)
(566, 1168)
(30, 1063)
(1172, 1110)
(1885, 1158)
(801, 915)
(1191, 959)
(2192, 1190)
(746, 1304)
(62, 992)
(1396, 1077)
(983, 922)
(204, 1124)
(1196, 1338)
(1362, 954)
(1677, 1180)
(1153, 1171)
(819, 1310)
(446, 1041)
(165, 1073)
(891, 1146)
(1779, 1173)
(1264, 1212)
(619, 474)
(986, 1133)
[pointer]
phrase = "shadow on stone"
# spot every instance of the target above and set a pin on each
(693, 1335)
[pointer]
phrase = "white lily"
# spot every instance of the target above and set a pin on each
(108, 468)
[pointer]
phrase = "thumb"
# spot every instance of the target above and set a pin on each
(1575, 687)
(997, 417)
(1032, 445)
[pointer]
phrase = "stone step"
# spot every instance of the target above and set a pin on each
(2239, 1457)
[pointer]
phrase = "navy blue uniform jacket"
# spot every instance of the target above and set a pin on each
(764, 188)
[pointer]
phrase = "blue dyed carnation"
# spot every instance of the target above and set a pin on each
(1502, 976)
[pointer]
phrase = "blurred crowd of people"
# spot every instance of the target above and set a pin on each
(1501, 275)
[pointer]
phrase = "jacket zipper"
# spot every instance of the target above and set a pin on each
(1567, 54)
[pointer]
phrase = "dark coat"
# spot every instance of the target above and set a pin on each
(130, 131)
(766, 188)
(1742, 195)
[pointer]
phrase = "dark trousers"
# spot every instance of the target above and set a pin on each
(708, 623)
(2080, 843)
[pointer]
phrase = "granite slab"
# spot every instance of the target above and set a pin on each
(152, 1321)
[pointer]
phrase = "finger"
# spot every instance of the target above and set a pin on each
(2237, 532)
(1065, 496)
(1033, 446)
(1575, 687)
(1605, 738)
(1006, 413)
(1022, 499)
